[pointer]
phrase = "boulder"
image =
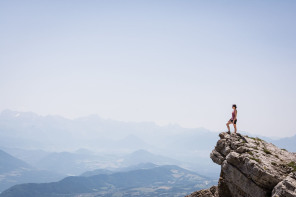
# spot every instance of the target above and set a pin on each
(252, 167)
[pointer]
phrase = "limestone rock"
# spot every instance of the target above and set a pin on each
(286, 188)
(212, 192)
(251, 167)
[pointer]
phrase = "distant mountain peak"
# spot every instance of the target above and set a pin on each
(10, 114)
(8, 162)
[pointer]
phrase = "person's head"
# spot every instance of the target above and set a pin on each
(234, 106)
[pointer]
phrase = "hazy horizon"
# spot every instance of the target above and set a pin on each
(168, 62)
(149, 122)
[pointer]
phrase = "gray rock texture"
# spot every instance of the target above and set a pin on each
(251, 167)
(285, 188)
(212, 192)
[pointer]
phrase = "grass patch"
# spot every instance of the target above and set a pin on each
(266, 151)
(256, 139)
(292, 164)
(250, 153)
(259, 139)
(255, 159)
(273, 163)
(284, 149)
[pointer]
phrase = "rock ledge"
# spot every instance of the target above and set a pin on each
(251, 167)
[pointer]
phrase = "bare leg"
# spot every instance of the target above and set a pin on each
(234, 125)
(227, 124)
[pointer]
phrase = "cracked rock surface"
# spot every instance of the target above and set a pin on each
(251, 167)
(211, 192)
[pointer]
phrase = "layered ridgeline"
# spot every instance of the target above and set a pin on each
(251, 167)
(167, 181)
(15, 171)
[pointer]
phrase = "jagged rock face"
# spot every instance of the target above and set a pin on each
(252, 167)
(212, 192)
(286, 188)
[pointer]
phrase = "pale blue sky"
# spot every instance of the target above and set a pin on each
(183, 62)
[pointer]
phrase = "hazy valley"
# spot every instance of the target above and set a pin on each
(92, 150)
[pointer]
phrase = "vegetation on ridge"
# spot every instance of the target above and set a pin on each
(266, 151)
(255, 159)
(292, 164)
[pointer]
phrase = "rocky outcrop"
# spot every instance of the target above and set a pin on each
(251, 167)
(212, 192)
(286, 187)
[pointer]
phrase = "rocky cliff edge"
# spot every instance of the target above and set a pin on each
(251, 167)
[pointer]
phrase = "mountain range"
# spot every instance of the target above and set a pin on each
(156, 181)
(15, 171)
(54, 166)
(29, 131)
(47, 148)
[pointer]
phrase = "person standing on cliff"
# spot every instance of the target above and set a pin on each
(233, 119)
